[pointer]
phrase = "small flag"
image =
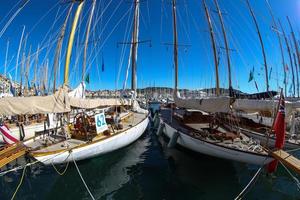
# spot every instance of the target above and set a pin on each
(286, 68)
(251, 75)
(28, 84)
(36, 92)
(102, 63)
(291, 89)
(87, 78)
(256, 86)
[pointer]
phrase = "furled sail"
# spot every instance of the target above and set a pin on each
(222, 104)
(95, 103)
(56, 103)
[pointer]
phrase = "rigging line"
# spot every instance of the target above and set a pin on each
(39, 21)
(2, 20)
(113, 29)
(126, 37)
(87, 188)
(104, 27)
(12, 18)
(183, 25)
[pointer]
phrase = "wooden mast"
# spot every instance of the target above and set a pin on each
(134, 46)
(297, 53)
(297, 72)
(27, 71)
(87, 38)
(18, 54)
(214, 46)
(261, 43)
(175, 45)
(36, 63)
(227, 49)
(6, 54)
(280, 45)
(70, 42)
(290, 55)
(58, 48)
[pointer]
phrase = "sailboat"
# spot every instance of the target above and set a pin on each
(200, 131)
(89, 135)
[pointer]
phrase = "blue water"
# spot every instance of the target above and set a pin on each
(147, 169)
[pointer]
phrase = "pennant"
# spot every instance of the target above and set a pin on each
(36, 92)
(256, 86)
(87, 79)
(286, 68)
(291, 89)
(102, 68)
(251, 75)
(28, 84)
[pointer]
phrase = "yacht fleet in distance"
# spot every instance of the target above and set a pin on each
(58, 124)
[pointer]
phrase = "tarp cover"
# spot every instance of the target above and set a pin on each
(57, 103)
(221, 104)
(95, 103)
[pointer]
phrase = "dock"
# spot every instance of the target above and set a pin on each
(12, 152)
(287, 159)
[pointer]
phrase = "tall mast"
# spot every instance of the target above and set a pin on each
(261, 43)
(175, 45)
(58, 48)
(227, 49)
(27, 70)
(280, 45)
(297, 53)
(6, 54)
(70, 42)
(290, 55)
(297, 73)
(23, 64)
(36, 63)
(134, 45)
(214, 46)
(18, 54)
(87, 38)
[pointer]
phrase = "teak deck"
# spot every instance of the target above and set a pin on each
(287, 159)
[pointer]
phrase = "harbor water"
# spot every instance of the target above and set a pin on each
(147, 169)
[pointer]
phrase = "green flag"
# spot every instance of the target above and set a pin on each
(87, 78)
(251, 75)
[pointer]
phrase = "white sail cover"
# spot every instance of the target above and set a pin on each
(95, 103)
(207, 104)
(221, 104)
(57, 103)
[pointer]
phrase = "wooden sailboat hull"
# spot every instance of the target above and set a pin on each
(95, 148)
(215, 150)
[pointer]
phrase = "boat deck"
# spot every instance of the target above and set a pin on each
(58, 143)
(235, 140)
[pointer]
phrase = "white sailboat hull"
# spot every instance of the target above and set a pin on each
(98, 147)
(215, 150)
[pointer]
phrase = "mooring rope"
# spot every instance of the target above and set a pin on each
(21, 181)
(252, 181)
(87, 188)
(293, 177)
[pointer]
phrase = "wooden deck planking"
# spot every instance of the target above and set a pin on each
(287, 159)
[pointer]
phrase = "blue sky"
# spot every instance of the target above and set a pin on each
(155, 63)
